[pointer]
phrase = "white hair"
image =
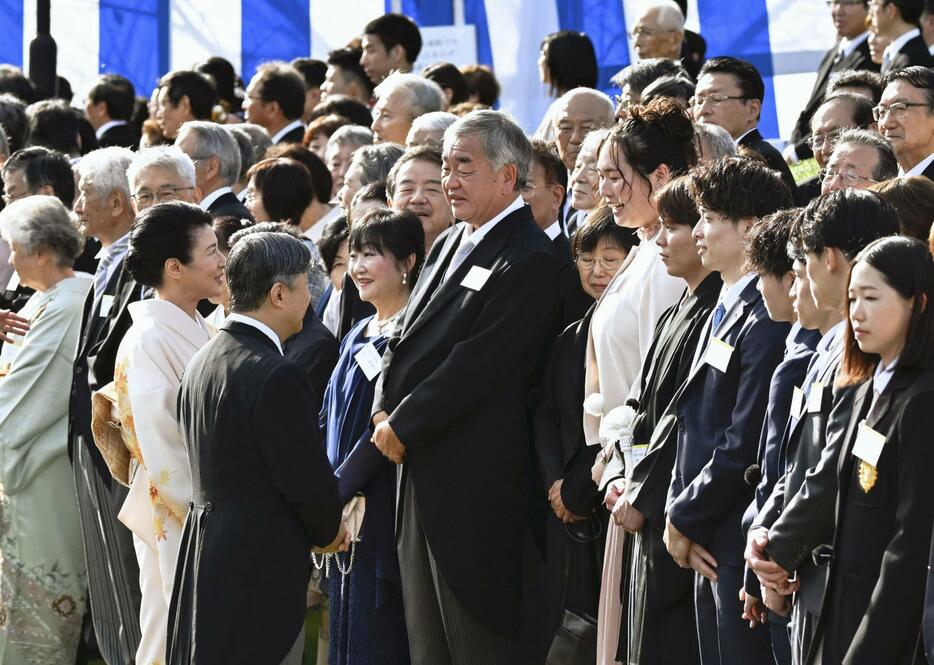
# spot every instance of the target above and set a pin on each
(167, 157)
(421, 95)
(42, 222)
(716, 138)
(434, 123)
(670, 16)
(502, 140)
(106, 170)
(355, 135)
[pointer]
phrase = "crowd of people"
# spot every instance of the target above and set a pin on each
(638, 389)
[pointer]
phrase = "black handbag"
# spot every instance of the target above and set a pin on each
(575, 642)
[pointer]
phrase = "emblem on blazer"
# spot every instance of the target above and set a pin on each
(867, 476)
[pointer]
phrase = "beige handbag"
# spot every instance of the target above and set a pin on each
(108, 433)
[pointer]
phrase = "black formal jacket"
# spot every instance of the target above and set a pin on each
(914, 52)
(574, 300)
(929, 171)
(875, 595)
(123, 136)
(228, 205)
(808, 190)
(773, 158)
(455, 383)
(295, 136)
(720, 416)
(315, 350)
(263, 494)
(858, 59)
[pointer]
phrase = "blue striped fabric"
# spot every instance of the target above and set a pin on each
(475, 13)
(134, 40)
(11, 27)
(605, 24)
(429, 12)
(273, 30)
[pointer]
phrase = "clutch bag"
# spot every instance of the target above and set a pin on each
(108, 433)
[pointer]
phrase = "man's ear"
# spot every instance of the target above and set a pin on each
(397, 54)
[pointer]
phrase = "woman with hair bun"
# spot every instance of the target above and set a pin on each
(172, 249)
(639, 156)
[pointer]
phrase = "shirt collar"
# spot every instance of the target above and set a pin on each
(117, 248)
(829, 340)
(285, 130)
(918, 168)
(476, 236)
(743, 135)
(883, 375)
(553, 231)
(847, 46)
(729, 296)
(107, 125)
(892, 49)
(259, 325)
(213, 196)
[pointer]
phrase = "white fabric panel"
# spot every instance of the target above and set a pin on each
(202, 29)
(75, 27)
(336, 22)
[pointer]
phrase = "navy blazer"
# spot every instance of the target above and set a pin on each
(720, 416)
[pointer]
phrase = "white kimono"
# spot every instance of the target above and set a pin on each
(147, 375)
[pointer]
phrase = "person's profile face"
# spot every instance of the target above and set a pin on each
(202, 278)
(720, 241)
(802, 301)
(297, 297)
(471, 186)
(375, 59)
(353, 183)
(339, 267)
(338, 161)
(677, 250)
(879, 315)
(91, 209)
(170, 116)
(776, 296)
(583, 182)
(392, 119)
(625, 191)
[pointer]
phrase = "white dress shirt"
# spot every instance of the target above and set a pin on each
(743, 135)
(259, 325)
(213, 196)
(118, 250)
(892, 49)
(553, 231)
(918, 168)
(473, 239)
(285, 130)
(847, 46)
(99, 132)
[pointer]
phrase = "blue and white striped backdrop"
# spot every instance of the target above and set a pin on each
(143, 39)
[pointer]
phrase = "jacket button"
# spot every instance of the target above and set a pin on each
(680, 427)
(209, 506)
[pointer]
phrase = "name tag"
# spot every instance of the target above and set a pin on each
(13, 284)
(638, 452)
(106, 303)
(815, 397)
(476, 278)
(869, 444)
(370, 361)
(718, 354)
(797, 402)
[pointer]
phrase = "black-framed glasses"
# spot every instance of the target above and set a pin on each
(162, 195)
(849, 177)
(898, 110)
(699, 100)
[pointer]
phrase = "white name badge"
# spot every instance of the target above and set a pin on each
(476, 278)
(370, 361)
(797, 402)
(815, 397)
(869, 444)
(718, 354)
(13, 284)
(106, 303)
(639, 451)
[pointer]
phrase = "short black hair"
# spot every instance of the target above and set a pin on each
(747, 76)
(54, 125)
(282, 84)
(41, 167)
(857, 78)
(13, 120)
(117, 93)
(917, 76)
(481, 83)
(333, 235)
(910, 10)
(258, 261)
(399, 234)
(767, 243)
(600, 225)
(312, 71)
(397, 29)
(164, 231)
(321, 181)
(347, 59)
(200, 90)
(225, 227)
(639, 75)
(570, 60)
(225, 79)
(448, 77)
(285, 187)
(14, 81)
(848, 219)
(675, 87)
(860, 107)
(739, 188)
(546, 156)
(355, 111)
(676, 205)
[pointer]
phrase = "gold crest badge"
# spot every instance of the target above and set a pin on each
(867, 476)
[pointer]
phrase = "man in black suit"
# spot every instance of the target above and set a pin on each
(109, 109)
(105, 212)
(849, 53)
(183, 95)
(451, 402)
(216, 157)
(275, 100)
(898, 21)
(906, 119)
(544, 190)
(721, 408)
(346, 76)
(729, 93)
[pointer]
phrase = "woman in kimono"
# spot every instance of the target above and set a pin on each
(367, 621)
(173, 250)
(42, 577)
(874, 601)
(639, 156)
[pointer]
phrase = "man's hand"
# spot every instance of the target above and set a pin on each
(753, 609)
(12, 323)
(557, 504)
(341, 542)
(387, 441)
(677, 543)
(613, 491)
(626, 516)
(702, 561)
(770, 574)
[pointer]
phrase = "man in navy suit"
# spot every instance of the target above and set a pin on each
(275, 100)
(898, 21)
(721, 408)
(216, 157)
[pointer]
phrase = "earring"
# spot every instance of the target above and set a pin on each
(403, 278)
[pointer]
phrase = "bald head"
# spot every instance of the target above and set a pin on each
(578, 112)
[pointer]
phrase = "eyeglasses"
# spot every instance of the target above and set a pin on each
(849, 177)
(647, 32)
(844, 3)
(161, 196)
(819, 140)
(699, 100)
(607, 263)
(898, 110)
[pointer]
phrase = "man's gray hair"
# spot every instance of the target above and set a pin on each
(259, 139)
(717, 139)
(670, 16)
(106, 170)
(375, 161)
(167, 157)
(594, 138)
(257, 261)
(213, 140)
(434, 124)
(421, 95)
(887, 166)
(245, 146)
(42, 223)
(502, 140)
(4, 144)
(355, 135)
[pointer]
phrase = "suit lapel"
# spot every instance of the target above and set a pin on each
(428, 283)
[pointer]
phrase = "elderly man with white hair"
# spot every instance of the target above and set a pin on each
(160, 174)
(429, 128)
(401, 98)
(713, 142)
(659, 30)
(216, 156)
